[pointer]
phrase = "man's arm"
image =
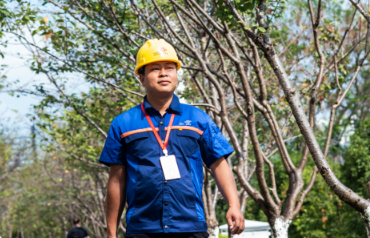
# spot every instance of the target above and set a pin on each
(226, 184)
(116, 198)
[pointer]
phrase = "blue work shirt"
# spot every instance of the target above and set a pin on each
(156, 205)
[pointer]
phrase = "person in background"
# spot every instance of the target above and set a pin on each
(77, 231)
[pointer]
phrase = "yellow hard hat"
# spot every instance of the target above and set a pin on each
(156, 50)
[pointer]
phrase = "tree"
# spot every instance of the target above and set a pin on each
(12, 153)
(236, 59)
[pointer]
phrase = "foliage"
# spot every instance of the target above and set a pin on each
(356, 170)
(324, 215)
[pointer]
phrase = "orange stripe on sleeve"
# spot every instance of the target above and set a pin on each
(137, 131)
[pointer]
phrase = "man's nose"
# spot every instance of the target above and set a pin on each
(163, 72)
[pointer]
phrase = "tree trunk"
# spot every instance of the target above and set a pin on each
(22, 235)
(212, 223)
(9, 230)
(279, 228)
(366, 219)
(213, 232)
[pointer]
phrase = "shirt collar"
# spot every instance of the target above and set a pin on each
(174, 106)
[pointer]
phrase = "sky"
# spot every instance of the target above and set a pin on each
(13, 110)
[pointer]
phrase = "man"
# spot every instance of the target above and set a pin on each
(156, 152)
(77, 231)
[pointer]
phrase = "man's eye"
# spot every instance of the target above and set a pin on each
(155, 69)
(170, 68)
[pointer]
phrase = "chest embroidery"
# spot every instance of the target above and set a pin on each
(186, 123)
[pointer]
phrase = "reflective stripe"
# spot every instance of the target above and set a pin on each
(157, 129)
(137, 131)
(187, 128)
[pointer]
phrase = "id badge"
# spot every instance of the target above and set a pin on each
(169, 167)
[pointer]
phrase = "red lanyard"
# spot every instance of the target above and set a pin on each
(163, 146)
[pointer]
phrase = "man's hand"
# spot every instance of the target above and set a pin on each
(235, 220)
(116, 198)
(226, 183)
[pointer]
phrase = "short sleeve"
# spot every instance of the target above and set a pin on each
(213, 144)
(113, 151)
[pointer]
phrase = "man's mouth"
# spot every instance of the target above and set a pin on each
(164, 82)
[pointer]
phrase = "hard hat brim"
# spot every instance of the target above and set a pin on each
(157, 60)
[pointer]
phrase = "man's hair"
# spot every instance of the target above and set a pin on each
(76, 221)
(141, 70)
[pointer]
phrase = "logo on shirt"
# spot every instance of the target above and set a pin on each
(186, 123)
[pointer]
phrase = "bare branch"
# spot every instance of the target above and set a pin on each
(359, 8)
(273, 181)
(305, 192)
(75, 108)
(212, 107)
(80, 159)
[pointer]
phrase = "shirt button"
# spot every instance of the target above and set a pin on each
(166, 203)
(161, 122)
(165, 182)
(166, 226)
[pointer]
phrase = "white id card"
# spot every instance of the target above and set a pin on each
(169, 167)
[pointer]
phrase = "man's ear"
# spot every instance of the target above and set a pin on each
(142, 77)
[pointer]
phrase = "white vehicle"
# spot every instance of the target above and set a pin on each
(253, 229)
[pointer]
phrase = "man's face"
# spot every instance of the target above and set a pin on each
(160, 77)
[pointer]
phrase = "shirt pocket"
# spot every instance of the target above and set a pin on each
(189, 141)
(138, 144)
